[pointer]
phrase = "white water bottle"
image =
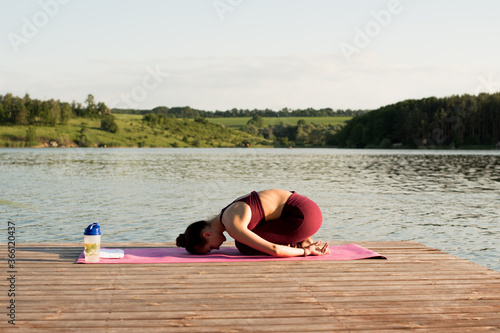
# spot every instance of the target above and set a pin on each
(92, 243)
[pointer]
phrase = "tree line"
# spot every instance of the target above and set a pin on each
(456, 121)
(27, 111)
(188, 112)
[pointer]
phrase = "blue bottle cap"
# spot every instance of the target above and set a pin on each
(94, 229)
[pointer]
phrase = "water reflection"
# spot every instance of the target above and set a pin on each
(444, 199)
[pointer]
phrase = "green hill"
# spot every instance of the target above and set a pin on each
(133, 131)
(28, 122)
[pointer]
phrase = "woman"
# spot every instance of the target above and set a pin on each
(275, 222)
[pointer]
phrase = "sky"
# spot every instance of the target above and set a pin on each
(247, 54)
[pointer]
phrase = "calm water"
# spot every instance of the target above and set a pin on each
(444, 199)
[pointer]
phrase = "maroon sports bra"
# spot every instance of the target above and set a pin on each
(253, 201)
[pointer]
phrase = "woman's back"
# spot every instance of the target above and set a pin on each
(273, 202)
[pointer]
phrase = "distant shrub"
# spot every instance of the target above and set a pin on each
(31, 136)
(196, 143)
(201, 120)
(257, 121)
(108, 124)
(85, 141)
(385, 143)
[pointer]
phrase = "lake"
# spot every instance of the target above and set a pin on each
(444, 199)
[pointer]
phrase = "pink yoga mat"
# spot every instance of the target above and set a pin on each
(226, 254)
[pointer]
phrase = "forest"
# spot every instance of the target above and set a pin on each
(28, 111)
(464, 121)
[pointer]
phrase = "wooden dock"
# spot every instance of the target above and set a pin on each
(417, 288)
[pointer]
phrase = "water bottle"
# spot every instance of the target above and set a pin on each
(92, 242)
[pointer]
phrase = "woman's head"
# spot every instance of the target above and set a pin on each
(192, 239)
(202, 237)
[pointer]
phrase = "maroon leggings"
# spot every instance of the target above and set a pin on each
(301, 218)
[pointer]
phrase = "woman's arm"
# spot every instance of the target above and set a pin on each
(253, 240)
(236, 219)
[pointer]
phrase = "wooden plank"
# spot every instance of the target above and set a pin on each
(255, 309)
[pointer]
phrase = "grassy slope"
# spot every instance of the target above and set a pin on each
(241, 121)
(132, 133)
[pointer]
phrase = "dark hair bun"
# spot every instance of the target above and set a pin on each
(181, 240)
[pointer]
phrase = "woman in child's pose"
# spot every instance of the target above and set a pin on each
(275, 222)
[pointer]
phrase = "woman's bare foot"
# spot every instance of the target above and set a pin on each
(306, 242)
(302, 244)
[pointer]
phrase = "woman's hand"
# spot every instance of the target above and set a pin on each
(316, 249)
